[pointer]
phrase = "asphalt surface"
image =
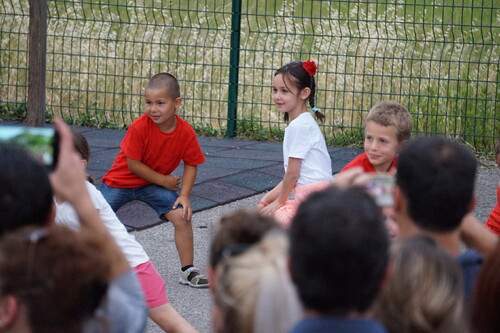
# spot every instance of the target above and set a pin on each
(234, 175)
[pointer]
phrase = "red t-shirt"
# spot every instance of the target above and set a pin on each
(494, 220)
(160, 151)
(363, 161)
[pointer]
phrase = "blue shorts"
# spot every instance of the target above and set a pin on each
(155, 196)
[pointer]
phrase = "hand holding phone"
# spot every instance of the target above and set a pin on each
(381, 187)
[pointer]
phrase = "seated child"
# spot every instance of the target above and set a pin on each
(308, 167)
(153, 285)
(387, 127)
(151, 150)
(493, 222)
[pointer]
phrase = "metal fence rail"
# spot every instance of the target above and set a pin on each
(440, 59)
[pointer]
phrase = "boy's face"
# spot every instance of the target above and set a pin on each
(161, 108)
(381, 145)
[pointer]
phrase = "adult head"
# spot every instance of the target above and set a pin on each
(338, 251)
(250, 283)
(25, 191)
(434, 185)
(51, 280)
(424, 292)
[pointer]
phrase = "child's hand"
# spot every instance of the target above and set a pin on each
(171, 182)
(271, 208)
(187, 210)
(68, 179)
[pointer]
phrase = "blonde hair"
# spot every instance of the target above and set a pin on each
(389, 113)
(425, 292)
(254, 291)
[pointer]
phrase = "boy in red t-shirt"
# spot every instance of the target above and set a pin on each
(151, 150)
(493, 222)
(387, 127)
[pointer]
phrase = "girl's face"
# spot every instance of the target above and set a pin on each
(287, 96)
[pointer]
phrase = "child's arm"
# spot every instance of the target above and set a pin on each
(68, 181)
(289, 181)
(188, 178)
(142, 170)
(477, 236)
(270, 196)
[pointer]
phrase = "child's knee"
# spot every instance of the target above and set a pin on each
(175, 217)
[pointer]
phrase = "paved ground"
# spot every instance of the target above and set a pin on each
(234, 175)
(234, 169)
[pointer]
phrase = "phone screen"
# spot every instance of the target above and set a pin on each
(382, 188)
(41, 142)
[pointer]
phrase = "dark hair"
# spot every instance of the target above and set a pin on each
(25, 190)
(165, 81)
(82, 147)
(436, 176)
(486, 296)
(338, 251)
(56, 274)
(295, 72)
(239, 228)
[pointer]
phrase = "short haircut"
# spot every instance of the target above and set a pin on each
(425, 290)
(25, 190)
(165, 81)
(338, 251)
(436, 177)
(239, 228)
(389, 113)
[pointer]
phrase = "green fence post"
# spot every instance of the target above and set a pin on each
(234, 63)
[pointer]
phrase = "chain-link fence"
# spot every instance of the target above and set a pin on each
(440, 59)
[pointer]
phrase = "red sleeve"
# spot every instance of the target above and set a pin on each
(193, 155)
(133, 144)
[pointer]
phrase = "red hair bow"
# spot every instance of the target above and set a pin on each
(310, 67)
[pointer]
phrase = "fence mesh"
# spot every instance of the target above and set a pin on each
(440, 59)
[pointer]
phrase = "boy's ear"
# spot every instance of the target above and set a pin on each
(178, 102)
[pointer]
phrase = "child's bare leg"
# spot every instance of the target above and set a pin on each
(170, 320)
(183, 235)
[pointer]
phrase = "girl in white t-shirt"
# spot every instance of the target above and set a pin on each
(306, 159)
(153, 285)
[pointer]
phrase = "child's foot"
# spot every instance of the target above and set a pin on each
(193, 278)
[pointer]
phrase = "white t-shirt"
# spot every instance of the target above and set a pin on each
(133, 251)
(304, 140)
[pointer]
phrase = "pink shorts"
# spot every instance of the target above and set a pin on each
(152, 284)
(286, 212)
